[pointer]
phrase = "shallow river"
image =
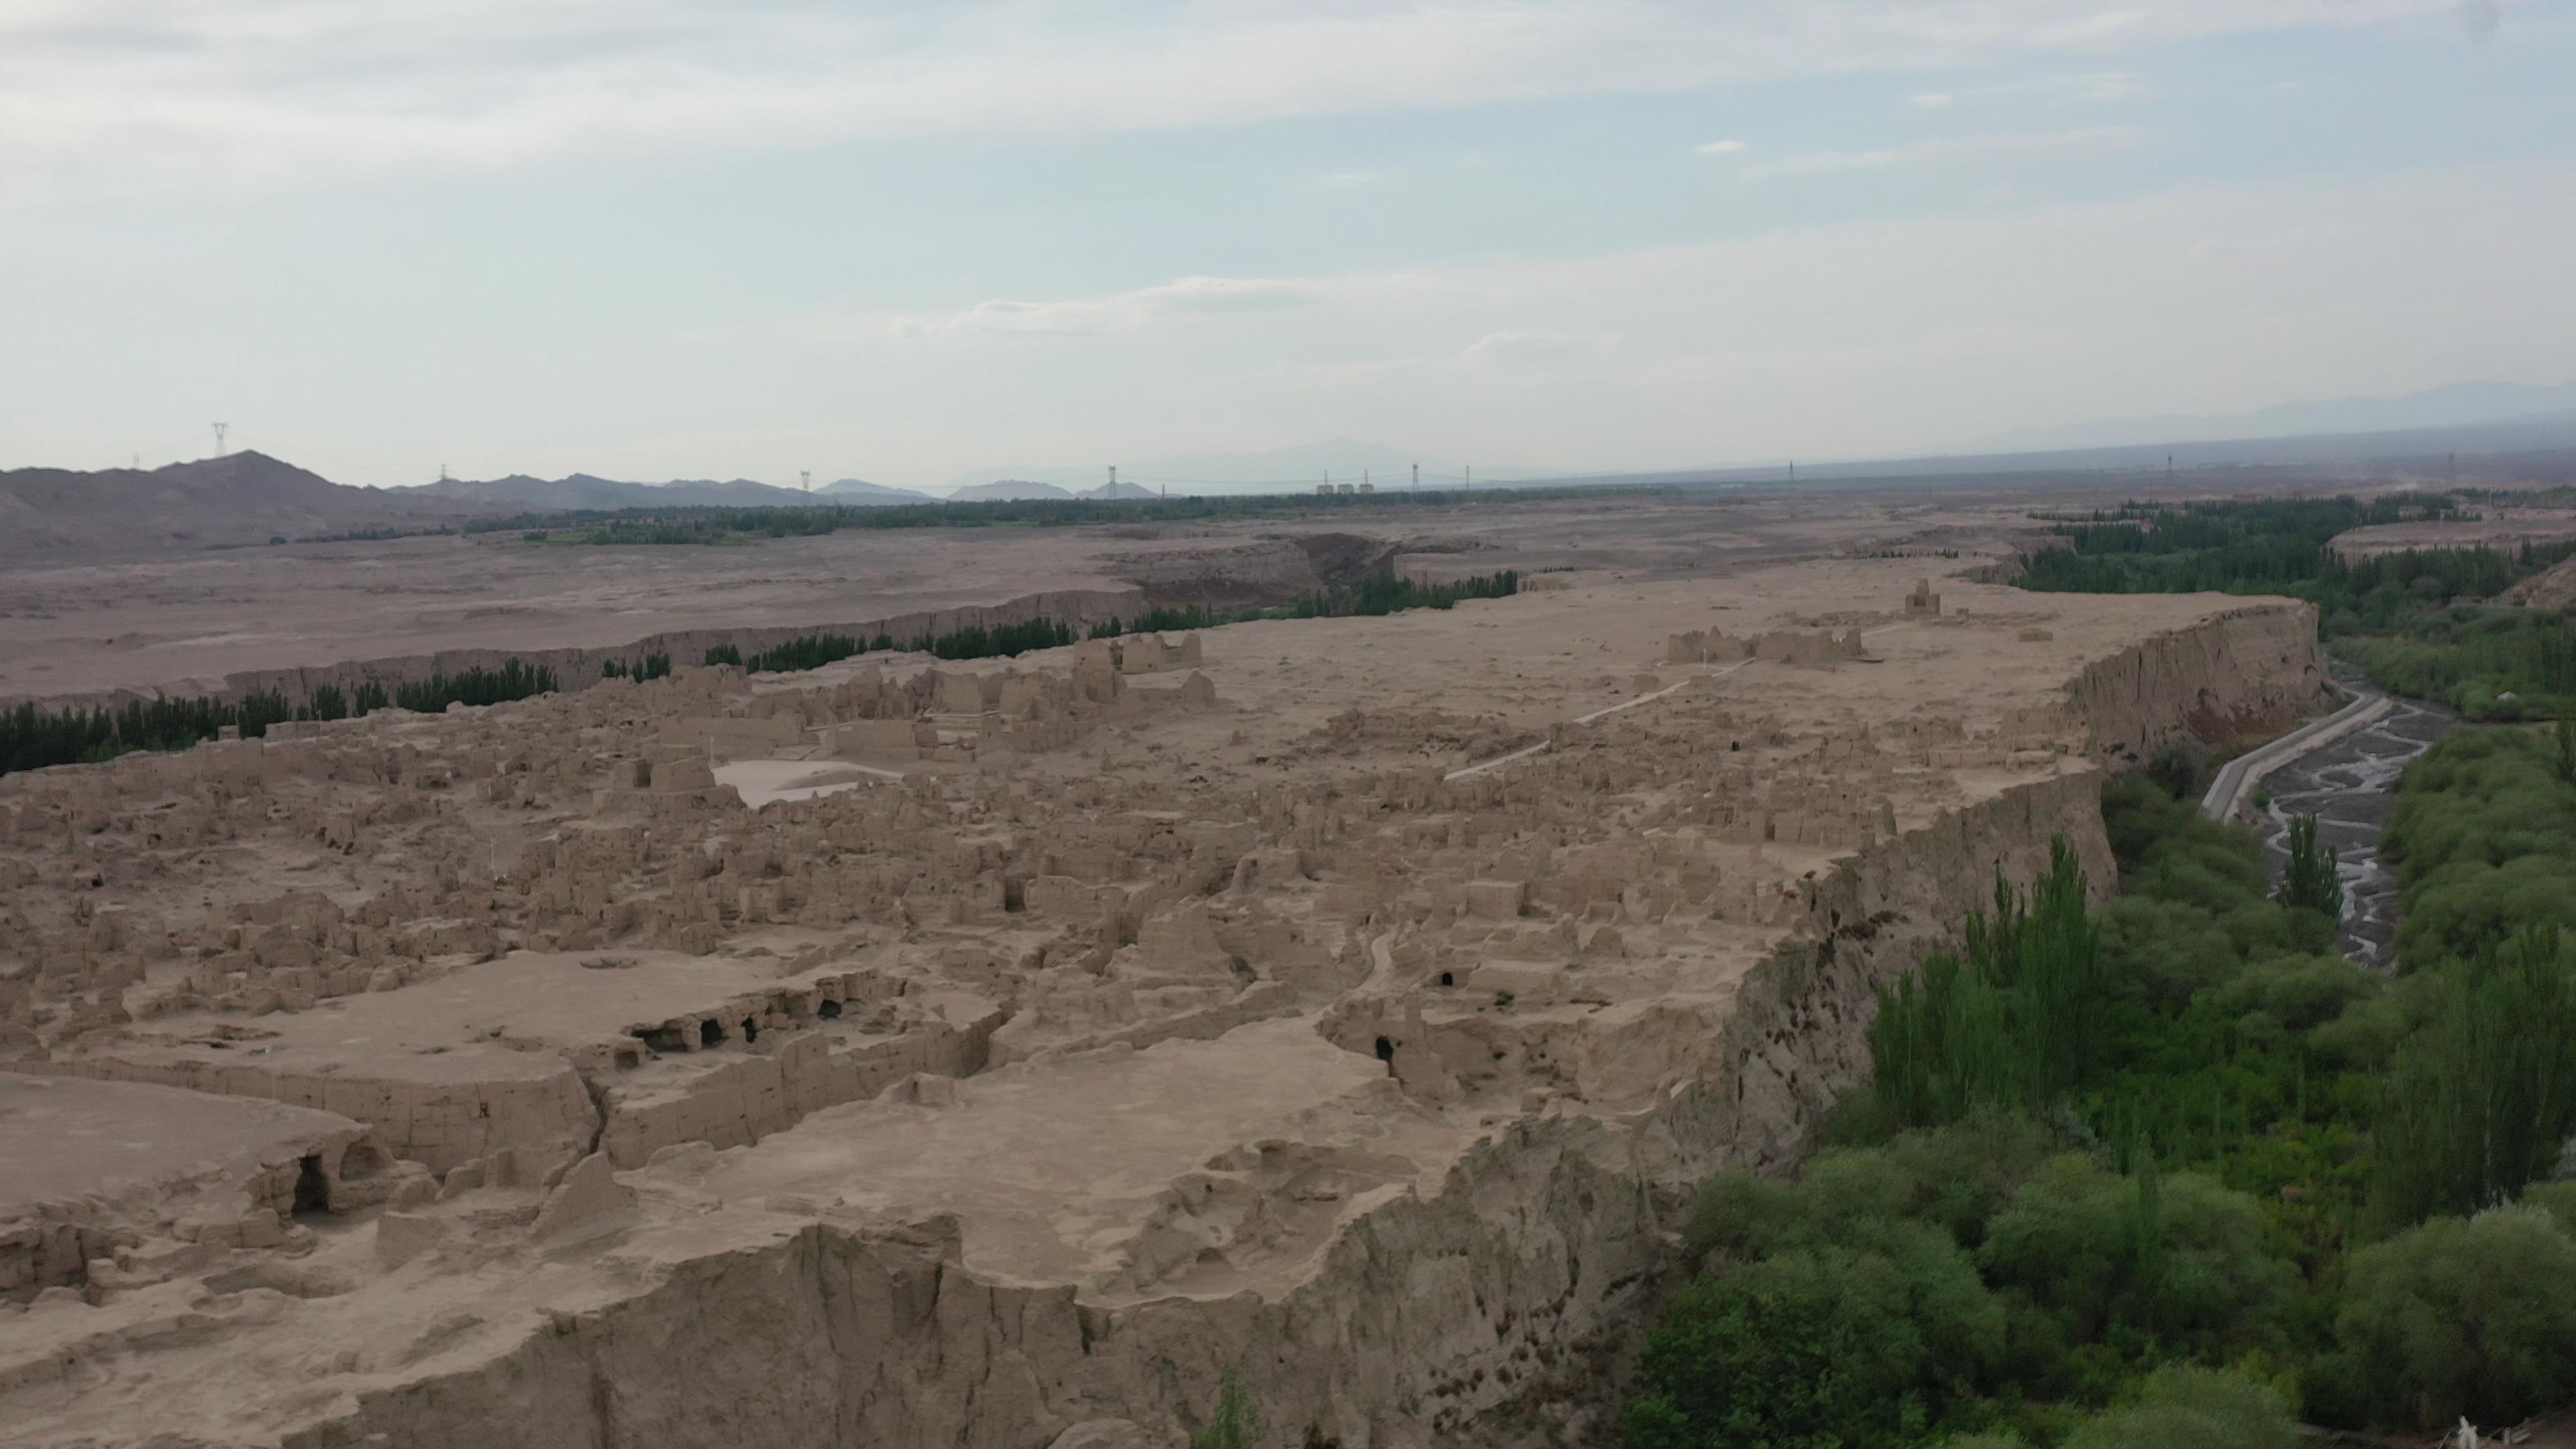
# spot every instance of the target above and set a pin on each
(2348, 786)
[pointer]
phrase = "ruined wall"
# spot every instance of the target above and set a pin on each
(543, 1109)
(745, 1098)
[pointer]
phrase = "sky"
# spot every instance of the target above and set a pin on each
(901, 241)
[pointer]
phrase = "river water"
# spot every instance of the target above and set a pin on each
(2349, 786)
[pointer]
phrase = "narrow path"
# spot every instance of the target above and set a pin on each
(1526, 751)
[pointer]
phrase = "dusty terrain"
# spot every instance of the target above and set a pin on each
(187, 623)
(996, 1054)
(2505, 525)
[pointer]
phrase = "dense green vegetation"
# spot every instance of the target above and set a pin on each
(813, 651)
(2162, 1171)
(476, 686)
(31, 738)
(716, 524)
(2413, 619)
(655, 665)
(1379, 592)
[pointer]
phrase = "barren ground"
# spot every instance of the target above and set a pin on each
(183, 625)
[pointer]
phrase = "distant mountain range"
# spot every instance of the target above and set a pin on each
(250, 498)
(853, 491)
(2451, 405)
(240, 498)
(582, 490)
(1294, 469)
(1006, 489)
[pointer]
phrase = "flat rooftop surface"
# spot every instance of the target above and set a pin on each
(474, 1023)
(67, 1137)
(1055, 1168)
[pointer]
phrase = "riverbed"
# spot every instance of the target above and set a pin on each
(2350, 786)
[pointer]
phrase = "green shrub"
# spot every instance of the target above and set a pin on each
(2014, 1025)
(2461, 1316)
(2310, 882)
(2178, 765)
(1235, 1423)
(2300, 992)
(2486, 1092)
(2182, 1407)
(1808, 1348)
(2177, 1260)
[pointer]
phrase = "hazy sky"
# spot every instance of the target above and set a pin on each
(656, 238)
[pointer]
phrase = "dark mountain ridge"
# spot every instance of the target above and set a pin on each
(240, 498)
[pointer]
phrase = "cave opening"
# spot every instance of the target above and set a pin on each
(312, 1189)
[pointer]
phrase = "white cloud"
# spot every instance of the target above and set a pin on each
(127, 93)
(1533, 345)
(1934, 100)
(1887, 336)
(1721, 148)
(2095, 87)
(1953, 150)
(1095, 316)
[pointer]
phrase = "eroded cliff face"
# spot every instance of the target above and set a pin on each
(2252, 671)
(1428, 1311)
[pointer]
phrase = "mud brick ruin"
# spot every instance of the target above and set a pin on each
(998, 1053)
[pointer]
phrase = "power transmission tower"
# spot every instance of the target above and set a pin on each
(1417, 480)
(219, 438)
(808, 475)
(442, 472)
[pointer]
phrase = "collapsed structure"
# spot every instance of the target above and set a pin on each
(998, 1054)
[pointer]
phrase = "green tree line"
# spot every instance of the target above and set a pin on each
(2164, 1171)
(719, 524)
(1379, 592)
(2416, 620)
(33, 738)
